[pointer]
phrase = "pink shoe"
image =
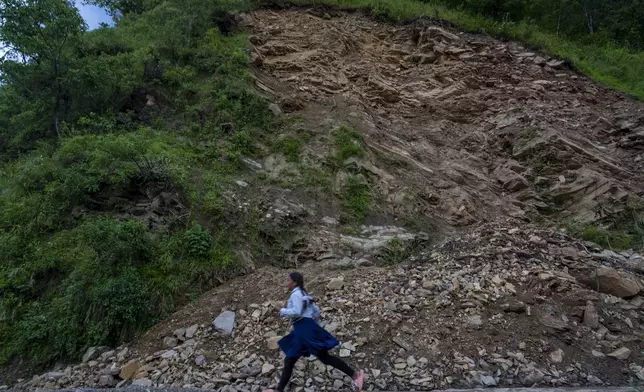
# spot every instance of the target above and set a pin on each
(359, 381)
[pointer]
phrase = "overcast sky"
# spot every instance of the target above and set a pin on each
(93, 15)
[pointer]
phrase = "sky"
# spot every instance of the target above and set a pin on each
(93, 15)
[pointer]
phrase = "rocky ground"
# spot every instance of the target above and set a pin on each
(504, 305)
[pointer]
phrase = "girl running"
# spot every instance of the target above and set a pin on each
(307, 337)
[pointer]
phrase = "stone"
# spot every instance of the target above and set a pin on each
(344, 353)
(401, 343)
(92, 353)
(591, 318)
(475, 321)
(598, 354)
(105, 381)
(621, 353)
(557, 356)
(609, 281)
(169, 354)
(329, 221)
(514, 307)
(142, 382)
(336, 284)
(128, 371)
(275, 109)
(272, 342)
(553, 322)
(267, 368)
(179, 332)
(191, 331)
(200, 360)
(170, 342)
(337, 384)
(364, 263)
(532, 377)
(570, 253)
(594, 380)
(225, 322)
(486, 381)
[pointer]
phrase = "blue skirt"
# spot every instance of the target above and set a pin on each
(307, 338)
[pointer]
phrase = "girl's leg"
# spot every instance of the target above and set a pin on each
(330, 360)
(336, 362)
(289, 364)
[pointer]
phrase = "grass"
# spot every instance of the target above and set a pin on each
(621, 231)
(356, 198)
(612, 66)
(348, 143)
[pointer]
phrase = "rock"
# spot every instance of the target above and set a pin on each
(401, 343)
(170, 342)
(337, 384)
(597, 354)
(128, 371)
(275, 109)
(93, 353)
(594, 380)
(329, 221)
(267, 368)
(514, 307)
(475, 321)
(486, 381)
(225, 322)
(532, 377)
(344, 353)
(200, 360)
(106, 381)
(591, 318)
(191, 331)
(54, 375)
(336, 284)
(509, 179)
(169, 354)
(179, 333)
(570, 253)
(621, 353)
(609, 281)
(364, 263)
(272, 342)
(556, 356)
(142, 382)
(553, 322)
(535, 239)
(538, 60)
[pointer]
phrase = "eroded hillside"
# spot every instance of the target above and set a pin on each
(460, 139)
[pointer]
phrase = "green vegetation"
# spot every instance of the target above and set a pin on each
(349, 144)
(356, 198)
(114, 144)
(604, 40)
(621, 231)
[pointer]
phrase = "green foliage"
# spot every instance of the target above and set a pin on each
(356, 198)
(78, 152)
(198, 242)
(291, 147)
(348, 143)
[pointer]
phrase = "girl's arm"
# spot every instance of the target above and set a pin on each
(296, 308)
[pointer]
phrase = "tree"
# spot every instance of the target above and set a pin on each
(37, 36)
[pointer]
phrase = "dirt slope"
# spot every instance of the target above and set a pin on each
(467, 127)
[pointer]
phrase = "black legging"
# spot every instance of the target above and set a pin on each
(324, 357)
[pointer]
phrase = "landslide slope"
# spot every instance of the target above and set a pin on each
(456, 135)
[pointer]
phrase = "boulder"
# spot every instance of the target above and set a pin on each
(225, 322)
(128, 371)
(621, 353)
(591, 318)
(170, 342)
(336, 284)
(609, 281)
